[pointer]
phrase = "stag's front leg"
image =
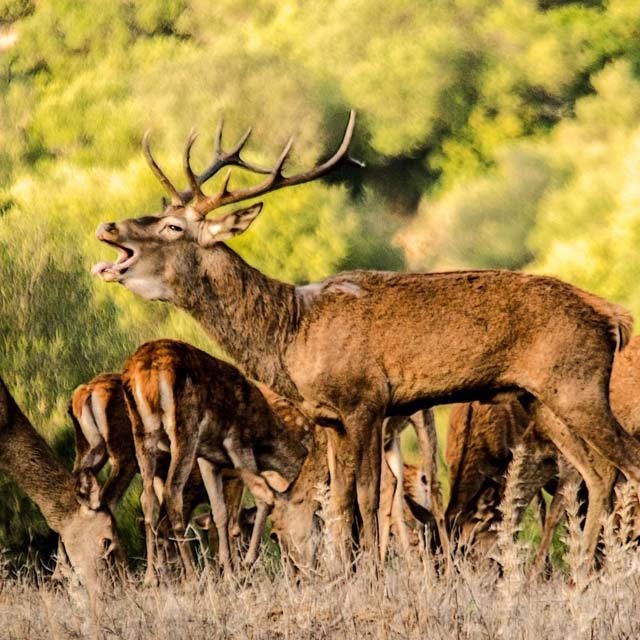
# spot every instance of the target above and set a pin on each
(366, 436)
(342, 477)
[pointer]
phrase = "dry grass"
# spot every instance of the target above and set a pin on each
(407, 600)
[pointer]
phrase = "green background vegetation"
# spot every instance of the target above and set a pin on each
(496, 134)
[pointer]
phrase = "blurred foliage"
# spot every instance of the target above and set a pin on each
(496, 134)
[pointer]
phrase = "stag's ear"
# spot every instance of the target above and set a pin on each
(88, 489)
(228, 226)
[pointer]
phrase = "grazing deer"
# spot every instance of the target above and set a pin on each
(295, 516)
(481, 437)
(480, 440)
(363, 345)
(88, 533)
(198, 408)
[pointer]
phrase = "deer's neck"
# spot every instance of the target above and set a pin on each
(27, 458)
(249, 315)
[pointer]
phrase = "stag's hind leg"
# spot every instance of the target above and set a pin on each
(589, 416)
(599, 475)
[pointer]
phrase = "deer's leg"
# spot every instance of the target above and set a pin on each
(590, 417)
(366, 437)
(91, 447)
(62, 563)
(146, 429)
(397, 505)
(150, 509)
(342, 474)
(212, 479)
(122, 472)
(385, 511)
(179, 470)
(425, 427)
(598, 474)
(256, 534)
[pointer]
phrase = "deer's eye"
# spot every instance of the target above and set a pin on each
(174, 227)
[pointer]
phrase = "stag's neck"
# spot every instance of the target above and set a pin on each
(27, 458)
(249, 315)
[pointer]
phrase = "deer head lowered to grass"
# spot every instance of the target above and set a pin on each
(201, 409)
(87, 530)
(480, 440)
(363, 345)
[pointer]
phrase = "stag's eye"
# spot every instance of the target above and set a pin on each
(174, 227)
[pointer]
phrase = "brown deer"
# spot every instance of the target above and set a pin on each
(88, 533)
(198, 408)
(103, 433)
(481, 437)
(480, 440)
(295, 517)
(364, 345)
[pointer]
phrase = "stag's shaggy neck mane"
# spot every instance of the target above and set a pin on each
(26, 457)
(249, 315)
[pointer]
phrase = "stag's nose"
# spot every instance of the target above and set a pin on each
(105, 228)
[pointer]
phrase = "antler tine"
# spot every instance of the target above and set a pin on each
(220, 159)
(193, 179)
(276, 180)
(234, 156)
(176, 198)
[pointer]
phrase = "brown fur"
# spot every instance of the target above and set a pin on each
(113, 444)
(363, 345)
(295, 516)
(89, 534)
(203, 409)
(481, 437)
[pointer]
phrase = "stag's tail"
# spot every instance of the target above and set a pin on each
(619, 319)
(622, 323)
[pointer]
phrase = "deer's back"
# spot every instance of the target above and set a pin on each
(477, 327)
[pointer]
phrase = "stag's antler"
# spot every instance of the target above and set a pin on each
(275, 179)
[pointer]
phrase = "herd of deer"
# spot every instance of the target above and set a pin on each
(342, 364)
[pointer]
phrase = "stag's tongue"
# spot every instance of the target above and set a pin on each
(99, 268)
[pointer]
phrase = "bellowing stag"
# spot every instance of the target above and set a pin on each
(363, 345)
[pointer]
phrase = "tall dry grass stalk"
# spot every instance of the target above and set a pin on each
(410, 598)
(406, 600)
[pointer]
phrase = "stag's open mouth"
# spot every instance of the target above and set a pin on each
(110, 271)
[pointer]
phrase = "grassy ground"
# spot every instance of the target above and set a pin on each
(408, 599)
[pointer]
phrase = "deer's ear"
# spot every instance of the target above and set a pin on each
(229, 226)
(88, 490)
(276, 481)
(258, 487)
